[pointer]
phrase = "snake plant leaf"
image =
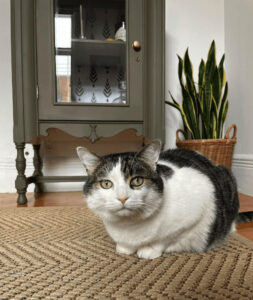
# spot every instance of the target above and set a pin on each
(185, 121)
(187, 66)
(186, 124)
(216, 86)
(224, 115)
(180, 70)
(204, 132)
(188, 71)
(201, 85)
(222, 71)
(173, 99)
(177, 106)
(207, 103)
(187, 134)
(201, 96)
(214, 126)
(201, 74)
(214, 107)
(190, 85)
(190, 113)
(222, 110)
(214, 119)
(209, 71)
(210, 63)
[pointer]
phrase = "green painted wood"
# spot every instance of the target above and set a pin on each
(21, 180)
(102, 129)
(38, 164)
(149, 78)
(17, 78)
(154, 74)
(24, 70)
(46, 71)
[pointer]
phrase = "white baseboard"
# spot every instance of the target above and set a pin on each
(53, 167)
(242, 168)
(243, 160)
(8, 174)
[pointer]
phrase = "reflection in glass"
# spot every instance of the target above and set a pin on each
(63, 25)
(63, 72)
(122, 98)
(90, 51)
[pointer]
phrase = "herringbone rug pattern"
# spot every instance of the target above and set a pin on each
(65, 253)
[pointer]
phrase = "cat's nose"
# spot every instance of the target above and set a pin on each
(123, 199)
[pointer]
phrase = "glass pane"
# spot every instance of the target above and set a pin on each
(90, 51)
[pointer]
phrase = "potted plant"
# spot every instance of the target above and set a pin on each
(204, 108)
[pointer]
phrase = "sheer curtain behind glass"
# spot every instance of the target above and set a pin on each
(63, 25)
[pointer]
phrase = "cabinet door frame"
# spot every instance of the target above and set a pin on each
(50, 110)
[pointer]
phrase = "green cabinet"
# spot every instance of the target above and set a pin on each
(88, 67)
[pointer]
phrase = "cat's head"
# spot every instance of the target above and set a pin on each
(123, 185)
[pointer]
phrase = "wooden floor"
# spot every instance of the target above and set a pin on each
(76, 199)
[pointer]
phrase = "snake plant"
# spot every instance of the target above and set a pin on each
(204, 105)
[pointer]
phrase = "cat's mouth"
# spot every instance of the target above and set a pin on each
(124, 212)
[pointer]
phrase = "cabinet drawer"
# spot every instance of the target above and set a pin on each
(92, 130)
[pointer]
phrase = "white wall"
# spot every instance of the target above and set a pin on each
(5, 81)
(239, 66)
(192, 24)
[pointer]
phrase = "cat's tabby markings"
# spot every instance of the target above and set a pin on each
(152, 202)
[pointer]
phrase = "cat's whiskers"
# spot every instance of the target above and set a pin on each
(147, 207)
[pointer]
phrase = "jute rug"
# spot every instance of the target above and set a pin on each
(65, 253)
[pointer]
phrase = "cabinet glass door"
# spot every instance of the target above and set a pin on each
(90, 51)
(90, 59)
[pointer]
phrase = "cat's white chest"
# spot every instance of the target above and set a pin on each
(134, 234)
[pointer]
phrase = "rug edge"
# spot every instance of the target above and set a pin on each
(243, 239)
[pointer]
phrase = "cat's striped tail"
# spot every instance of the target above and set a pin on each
(244, 217)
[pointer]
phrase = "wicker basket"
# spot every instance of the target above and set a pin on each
(220, 151)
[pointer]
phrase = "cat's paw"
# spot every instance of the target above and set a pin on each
(124, 250)
(149, 253)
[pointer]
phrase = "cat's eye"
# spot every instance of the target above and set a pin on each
(106, 184)
(136, 181)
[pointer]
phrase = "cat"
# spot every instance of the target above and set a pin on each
(153, 202)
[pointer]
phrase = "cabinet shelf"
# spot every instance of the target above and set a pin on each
(105, 42)
(95, 43)
(97, 52)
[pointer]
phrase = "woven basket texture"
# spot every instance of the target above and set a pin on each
(65, 253)
(220, 151)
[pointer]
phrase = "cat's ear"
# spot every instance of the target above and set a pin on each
(88, 159)
(150, 153)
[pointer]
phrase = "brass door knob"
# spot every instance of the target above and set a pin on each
(136, 46)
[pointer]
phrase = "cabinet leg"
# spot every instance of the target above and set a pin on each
(21, 181)
(37, 162)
